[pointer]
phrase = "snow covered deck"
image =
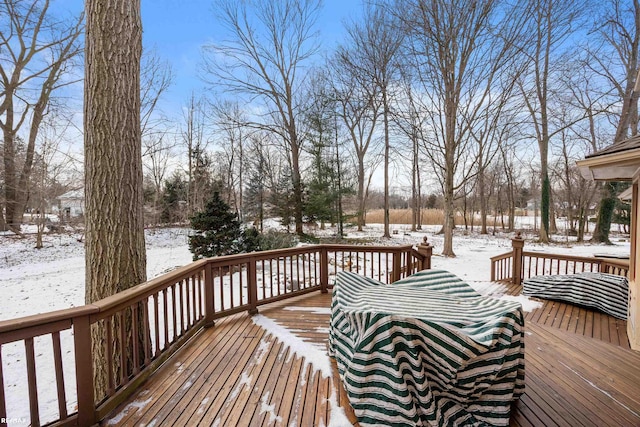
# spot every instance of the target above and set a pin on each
(272, 369)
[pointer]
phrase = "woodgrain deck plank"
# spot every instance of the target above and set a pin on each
(575, 379)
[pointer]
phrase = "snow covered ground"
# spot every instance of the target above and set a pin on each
(36, 281)
(39, 280)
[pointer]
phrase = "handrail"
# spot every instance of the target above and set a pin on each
(518, 265)
(137, 330)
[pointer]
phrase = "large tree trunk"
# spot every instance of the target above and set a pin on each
(483, 199)
(115, 246)
(362, 199)
(605, 214)
(10, 173)
(298, 199)
(385, 114)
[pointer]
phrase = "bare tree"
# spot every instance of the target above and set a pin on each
(407, 119)
(552, 23)
(269, 44)
(115, 245)
(458, 50)
(156, 76)
(232, 130)
(194, 138)
(615, 60)
(359, 110)
(575, 193)
(259, 174)
(36, 55)
(51, 171)
(157, 154)
(375, 45)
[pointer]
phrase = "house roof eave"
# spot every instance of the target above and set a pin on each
(617, 166)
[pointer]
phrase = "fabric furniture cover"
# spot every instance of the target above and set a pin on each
(427, 350)
(605, 292)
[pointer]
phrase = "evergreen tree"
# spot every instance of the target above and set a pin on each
(174, 197)
(217, 230)
(283, 198)
(256, 192)
(321, 196)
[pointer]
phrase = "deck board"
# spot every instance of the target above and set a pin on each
(578, 371)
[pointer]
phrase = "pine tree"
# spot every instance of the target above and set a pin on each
(283, 198)
(217, 230)
(173, 198)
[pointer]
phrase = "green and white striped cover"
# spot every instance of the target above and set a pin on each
(605, 292)
(426, 351)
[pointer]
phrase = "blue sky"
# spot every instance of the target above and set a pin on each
(177, 29)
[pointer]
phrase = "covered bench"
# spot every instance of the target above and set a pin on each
(605, 292)
(426, 350)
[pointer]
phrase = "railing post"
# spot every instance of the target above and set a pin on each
(324, 269)
(209, 308)
(84, 371)
(253, 286)
(517, 243)
(426, 250)
(397, 266)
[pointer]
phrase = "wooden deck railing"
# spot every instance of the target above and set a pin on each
(137, 330)
(518, 265)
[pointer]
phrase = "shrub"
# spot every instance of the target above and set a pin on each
(276, 240)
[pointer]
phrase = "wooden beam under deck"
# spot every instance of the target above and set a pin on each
(579, 371)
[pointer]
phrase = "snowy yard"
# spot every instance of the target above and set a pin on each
(36, 281)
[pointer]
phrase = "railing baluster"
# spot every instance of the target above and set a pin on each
(187, 284)
(165, 321)
(241, 286)
(264, 285)
(222, 299)
(209, 295)
(324, 269)
(156, 324)
(300, 268)
(31, 382)
(57, 362)
(180, 290)
(123, 349)
(108, 351)
(145, 331)
(277, 277)
(3, 404)
(174, 309)
(84, 371)
(201, 295)
(252, 284)
(198, 294)
(291, 278)
(193, 292)
(135, 354)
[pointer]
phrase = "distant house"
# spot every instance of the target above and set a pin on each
(532, 208)
(71, 204)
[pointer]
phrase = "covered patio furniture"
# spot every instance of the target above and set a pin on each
(606, 292)
(427, 350)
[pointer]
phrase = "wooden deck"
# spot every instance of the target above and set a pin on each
(579, 371)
